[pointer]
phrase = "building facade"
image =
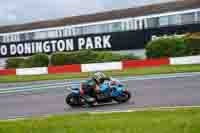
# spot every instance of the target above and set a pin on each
(125, 29)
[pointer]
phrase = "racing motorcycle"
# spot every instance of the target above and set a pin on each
(110, 91)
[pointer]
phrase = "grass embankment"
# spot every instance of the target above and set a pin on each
(127, 72)
(176, 121)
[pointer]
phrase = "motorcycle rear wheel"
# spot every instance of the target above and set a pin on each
(82, 102)
(70, 100)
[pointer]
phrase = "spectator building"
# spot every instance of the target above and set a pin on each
(125, 29)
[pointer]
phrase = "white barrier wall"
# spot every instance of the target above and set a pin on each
(32, 71)
(101, 67)
(185, 60)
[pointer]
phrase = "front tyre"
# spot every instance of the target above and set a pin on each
(123, 98)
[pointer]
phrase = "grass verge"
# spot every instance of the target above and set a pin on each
(127, 72)
(173, 121)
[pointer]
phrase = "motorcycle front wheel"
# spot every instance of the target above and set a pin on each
(123, 98)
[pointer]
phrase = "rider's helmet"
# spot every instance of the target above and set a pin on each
(99, 77)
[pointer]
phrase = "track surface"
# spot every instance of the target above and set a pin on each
(179, 91)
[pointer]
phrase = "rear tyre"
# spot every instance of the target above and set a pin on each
(70, 100)
(84, 103)
(124, 97)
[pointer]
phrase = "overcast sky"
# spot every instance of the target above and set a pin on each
(22, 11)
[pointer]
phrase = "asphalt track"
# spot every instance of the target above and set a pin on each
(149, 91)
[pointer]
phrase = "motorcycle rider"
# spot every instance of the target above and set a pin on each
(91, 86)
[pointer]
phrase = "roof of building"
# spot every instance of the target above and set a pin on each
(109, 15)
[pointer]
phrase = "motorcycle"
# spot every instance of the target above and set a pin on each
(109, 91)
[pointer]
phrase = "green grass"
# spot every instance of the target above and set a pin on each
(174, 121)
(128, 72)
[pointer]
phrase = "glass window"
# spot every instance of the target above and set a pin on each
(137, 24)
(163, 21)
(172, 19)
(127, 25)
(131, 24)
(22, 37)
(73, 31)
(198, 15)
(103, 28)
(29, 36)
(1, 38)
(69, 32)
(143, 24)
(89, 29)
(98, 29)
(15, 37)
(60, 33)
(153, 22)
(40, 35)
(77, 31)
(66, 32)
(51, 34)
(117, 26)
(4, 38)
(188, 18)
(10, 38)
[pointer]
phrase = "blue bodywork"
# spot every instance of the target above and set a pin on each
(115, 90)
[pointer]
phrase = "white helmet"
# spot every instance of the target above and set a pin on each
(99, 75)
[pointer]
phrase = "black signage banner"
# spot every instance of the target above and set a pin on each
(112, 41)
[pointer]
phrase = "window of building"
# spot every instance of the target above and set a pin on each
(124, 26)
(4, 38)
(40, 35)
(143, 24)
(77, 31)
(29, 36)
(12, 38)
(164, 21)
(137, 26)
(51, 34)
(89, 29)
(60, 33)
(188, 18)
(198, 16)
(68, 32)
(117, 26)
(153, 22)
(22, 37)
(73, 31)
(103, 28)
(16, 37)
(132, 24)
(127, 25)
(1, 38)
(173, 20)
